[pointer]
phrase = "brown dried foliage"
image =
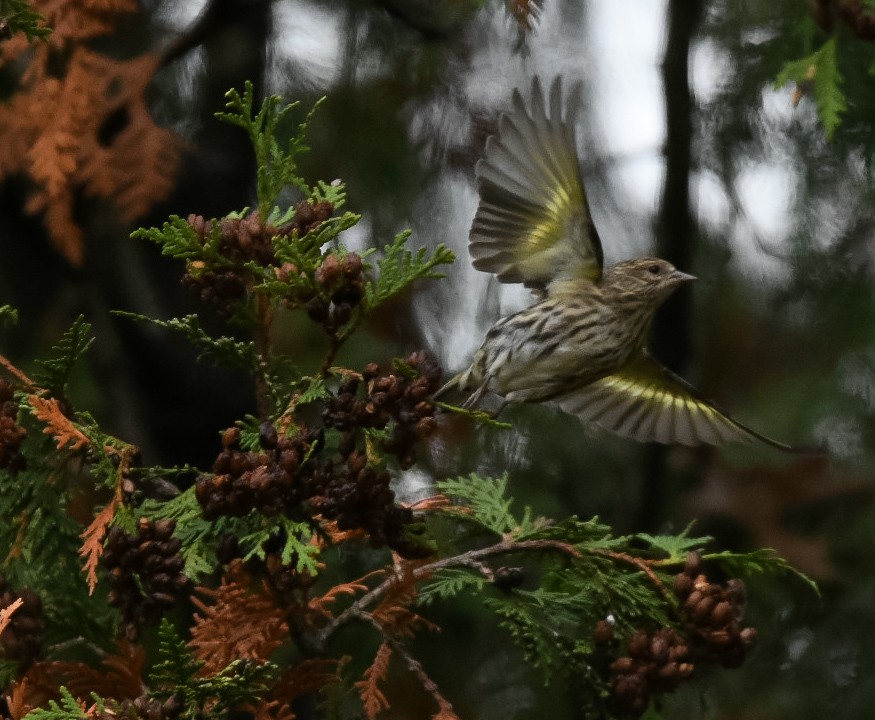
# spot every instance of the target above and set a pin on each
(319, 606)
(393, 613)
(445, 713)
(57, 424)
(120, 677)
(17, 700)
(272, 710)
(79, 122)
(336, 536)
(14, 371)
(6, 613)
(92, 539)
(305, 678)
(432, 503)
(239, 624)
(373, 699)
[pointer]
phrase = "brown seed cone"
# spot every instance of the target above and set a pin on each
(683, 585)
(604, 632)
(693, 564)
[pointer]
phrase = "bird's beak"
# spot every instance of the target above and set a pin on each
(682, 277)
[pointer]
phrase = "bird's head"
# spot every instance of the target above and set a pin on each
(649, 280)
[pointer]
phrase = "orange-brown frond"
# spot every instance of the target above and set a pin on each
(338, 536)
(120, 677)
(7, 612)
(433, 502)
(271, 710)
(306, 678)
(92, 539)
(445, 713)
(59, 425)
(79, 121)
(393, 613)
(319, 605)
(368, 687)
(238, 623)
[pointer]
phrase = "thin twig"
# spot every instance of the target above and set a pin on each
(412, 664)
(14, 371)
(640, 563)
(263, 322)
(469, 559)
(337, 341)
(76, 642)
(333, 349)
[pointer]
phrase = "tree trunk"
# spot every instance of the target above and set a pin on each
(675, 227)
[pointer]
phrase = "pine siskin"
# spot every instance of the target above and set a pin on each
(584, 343)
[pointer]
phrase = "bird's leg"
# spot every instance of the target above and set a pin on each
(477, 395)
(504, 403)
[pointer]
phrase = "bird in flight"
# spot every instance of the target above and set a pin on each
(583, 343)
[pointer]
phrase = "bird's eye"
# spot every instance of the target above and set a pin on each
(653, 269)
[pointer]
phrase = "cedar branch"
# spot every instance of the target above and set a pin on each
(445, 708)
(640, 563)
(14, 371)
(470, 558)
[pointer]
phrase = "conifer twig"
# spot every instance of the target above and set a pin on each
(470, 558)
(640, 563)
(14, 371)
(262, 327)
(337, 341)
(76, 642)
(413, 665)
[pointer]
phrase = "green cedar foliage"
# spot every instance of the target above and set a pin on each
(399, 267)
(270, 284)
(8, 315)
(41, 541)
(819, 71)
(18, 16)
(277, 165)
(177, 674)
(69, 708)
(587, 574)
(832, 65)
(199, 536)
(55, 370)
(222, 350)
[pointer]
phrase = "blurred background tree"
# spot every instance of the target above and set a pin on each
(691, 153)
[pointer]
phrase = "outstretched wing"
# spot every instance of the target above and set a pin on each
(533, 223)
(649, 403)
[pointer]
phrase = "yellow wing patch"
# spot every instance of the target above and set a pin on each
(533, 223)
(649, 403)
